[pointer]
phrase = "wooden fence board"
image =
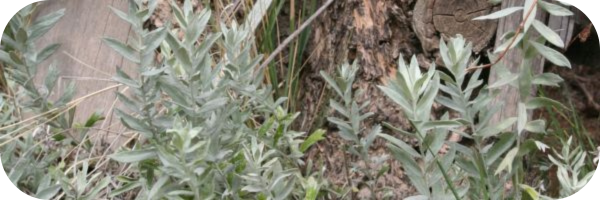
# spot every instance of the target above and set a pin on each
(80, 34)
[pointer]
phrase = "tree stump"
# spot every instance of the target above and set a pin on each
(433, 19)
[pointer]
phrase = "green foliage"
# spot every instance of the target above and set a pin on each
(285, 78)
(495, 160)
(570, 163)
(218, 133)
(207, 126)
(433, 177)
(350, 128)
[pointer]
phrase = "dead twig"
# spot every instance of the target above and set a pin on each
(582, 36)
(293, 36)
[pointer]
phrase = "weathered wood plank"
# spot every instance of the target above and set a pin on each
(80, 34)
(513, 60)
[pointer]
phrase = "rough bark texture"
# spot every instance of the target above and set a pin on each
(450, 18)
(374, 33)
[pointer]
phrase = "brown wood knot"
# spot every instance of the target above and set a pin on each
(451, 17)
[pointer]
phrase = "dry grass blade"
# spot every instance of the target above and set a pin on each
(295, 34)
(68, 105)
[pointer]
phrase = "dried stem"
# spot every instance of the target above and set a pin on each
(295, 34)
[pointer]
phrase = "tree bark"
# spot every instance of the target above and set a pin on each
(371, 32)
(375, 34)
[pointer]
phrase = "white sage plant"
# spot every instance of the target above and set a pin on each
(213, 130)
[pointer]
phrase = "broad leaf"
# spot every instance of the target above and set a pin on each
(554, 9)
(312, 139)
(551, 55)
(548, 33)
(124, 50)
(134, 155)
(499, 14)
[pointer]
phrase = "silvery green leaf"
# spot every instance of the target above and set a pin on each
(51, 78)
(156, 189)
(538, 102)
(48, 192)
(445, 101)
(15, 175)
(125, 188)
(332, 83)
(551, 55)
(134, 155)
(375, 131)
(521, 117)
(498, 148)
(153, 72)
(124, 50)
(536, 126)
(46, 53)
(134, 123)
(277, 180)
(5, 57)
(154, 39)
(426, 102)
(554, 9)
(494, 130)
(253, 188)
(196, 28)
(187, 8)
(129, 104)
(93, 193)
(286, 191)
(505, 44)
(45, 23)
(213, 104)
(338, 107)
(500, 13)
(443, 124)
(179, 15)
(256, 14)
(123, 78)
(123, 16)
(549, 79)
(529, 14)
(417, 197)
(399, 99)
(184, 58)
(152, 4)
(344, 129)
(548, 33)
(172, 87)
(507, 162)
(399, 130)
(399, 143)
(411, 168)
